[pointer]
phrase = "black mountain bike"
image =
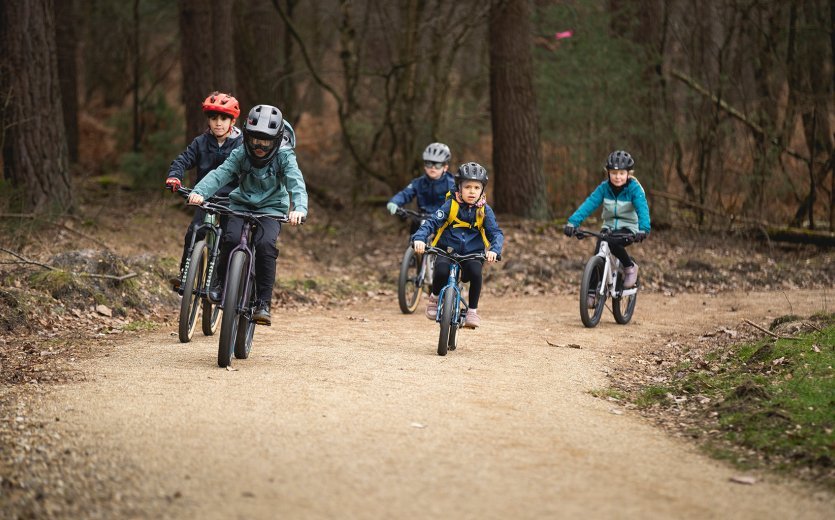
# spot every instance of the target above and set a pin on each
(198, 272)
(415, 270)
(237, 327)
(603, 277)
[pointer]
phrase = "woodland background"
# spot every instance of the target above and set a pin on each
(727, 105)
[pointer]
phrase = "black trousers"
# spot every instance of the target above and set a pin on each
(263, 243)
(470, 272)
(618, 250)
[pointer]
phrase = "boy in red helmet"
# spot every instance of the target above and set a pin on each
(205, 153)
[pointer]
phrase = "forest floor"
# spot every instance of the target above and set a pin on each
(344, 409)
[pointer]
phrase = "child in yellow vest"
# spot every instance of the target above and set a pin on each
(468, 225)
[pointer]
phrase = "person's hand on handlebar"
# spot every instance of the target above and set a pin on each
(195, 199)
(491, 256)
(173, 184)
(419, 246)
(296, 217)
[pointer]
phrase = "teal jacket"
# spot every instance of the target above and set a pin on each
(626, 209)
(269, 190)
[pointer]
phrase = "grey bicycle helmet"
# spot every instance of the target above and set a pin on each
(437, 152)
(471, 171)
(620, 160)
(264, 122)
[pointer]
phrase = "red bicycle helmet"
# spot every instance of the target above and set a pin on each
(222, 103)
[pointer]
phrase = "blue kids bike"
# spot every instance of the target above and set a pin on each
(452, 308)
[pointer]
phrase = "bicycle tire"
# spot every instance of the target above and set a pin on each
(408, 293)
(447, 312)
(590, 284)
(211, 317)
(623, 310)
(246, 327)
(190, 303)
(452, 344)
(229, 323)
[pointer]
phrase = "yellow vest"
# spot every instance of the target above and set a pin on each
(457, 223)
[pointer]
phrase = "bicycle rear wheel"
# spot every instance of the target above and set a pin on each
(408, 290)
(194, 284)
(592, 297)
(229, 324)
(447, 311)
(624, 307)
(246, 327)
(211, 317)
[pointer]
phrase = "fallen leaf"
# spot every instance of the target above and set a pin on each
(744, 479)
(230, 368)
(567, 345)
(417, 425)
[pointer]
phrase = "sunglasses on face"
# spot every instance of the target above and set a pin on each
(430, 164)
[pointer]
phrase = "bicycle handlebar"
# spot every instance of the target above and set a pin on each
(617, 238)
(219, 205)
(455, 257)
(217, 199)
(410, 213)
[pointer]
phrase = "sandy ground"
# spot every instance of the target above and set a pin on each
(350, 413)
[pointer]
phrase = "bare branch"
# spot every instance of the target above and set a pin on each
(749, 322)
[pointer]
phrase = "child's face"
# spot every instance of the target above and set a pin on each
(618, 177)
(471, 191)
(220, 124)
(434, 170)
(261, 147)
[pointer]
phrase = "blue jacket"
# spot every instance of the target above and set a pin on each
(462, 240)
(430, 194)
(628, 209)
(204, 154)
(270, 189)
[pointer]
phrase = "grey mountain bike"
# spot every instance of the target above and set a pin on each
(415, 270)
(602, 278)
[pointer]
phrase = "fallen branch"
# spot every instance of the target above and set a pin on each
(24, 260)
(567, 345)
(58, 224)
(749, 322)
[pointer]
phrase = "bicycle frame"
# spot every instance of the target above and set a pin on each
(610, 267)
(452, 284)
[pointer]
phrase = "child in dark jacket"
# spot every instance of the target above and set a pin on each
(207, 152)
(430, 189)
(624, 208)
(473, 229)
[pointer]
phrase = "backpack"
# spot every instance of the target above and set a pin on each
(457, 223)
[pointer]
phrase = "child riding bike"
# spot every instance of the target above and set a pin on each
(466, 224)
(269, 182)
(625, 208)
(206, 152)
(430, 189)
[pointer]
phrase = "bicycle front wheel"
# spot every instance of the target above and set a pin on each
(592, 295)
(194, 283)
(447, 312)
(235, 281)
(624, 307)
(408, 290)
(246, 327)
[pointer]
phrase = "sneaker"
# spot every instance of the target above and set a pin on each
(630, 276)
(472, 320)
(432, 308)
(262, 314)
(215, 293)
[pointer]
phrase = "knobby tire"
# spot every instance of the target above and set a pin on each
(246, 327)
(408, 294)
(194, 284)
(229, 323)
(447, 312)
(624, 307)
(592, 278)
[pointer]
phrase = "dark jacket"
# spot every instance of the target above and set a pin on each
(430, 194)
(205, 155)
(462, 240)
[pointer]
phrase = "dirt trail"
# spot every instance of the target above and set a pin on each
(349, 413)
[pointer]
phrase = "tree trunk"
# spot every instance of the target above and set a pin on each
(517, 162)
(67, 45)
(35, 148)
(223, 55)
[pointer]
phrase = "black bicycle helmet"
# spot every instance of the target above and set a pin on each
(620, 160)
(471, 172)
(264, 122)
(437, 152)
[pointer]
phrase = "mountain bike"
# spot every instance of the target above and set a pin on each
(237, 327)
(452, 308)
(415, 270)
(603, 277)
(197, 274)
